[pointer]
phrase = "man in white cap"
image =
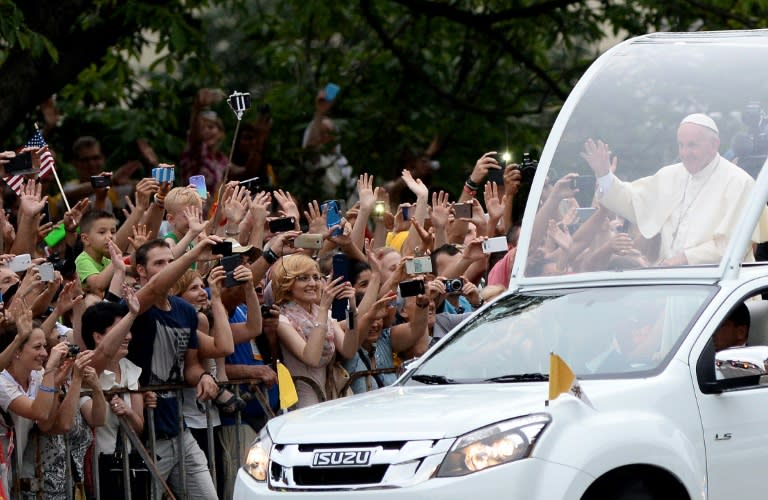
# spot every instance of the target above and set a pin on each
(693, 205)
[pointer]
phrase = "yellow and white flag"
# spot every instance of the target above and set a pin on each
(562, 380)
(285, 387)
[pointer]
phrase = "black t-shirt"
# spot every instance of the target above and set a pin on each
(160, 340)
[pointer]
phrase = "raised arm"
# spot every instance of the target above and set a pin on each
(220, 342)
(110, 344)
(158, 286)
(243, 332)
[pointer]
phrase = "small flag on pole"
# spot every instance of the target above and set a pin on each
(285, 387)
(15, 182)
(47, 162)
(562, 380)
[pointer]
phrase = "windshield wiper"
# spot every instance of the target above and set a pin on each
(433, 379)
(520, 377)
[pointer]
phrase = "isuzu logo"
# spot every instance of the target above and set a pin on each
(341, 458)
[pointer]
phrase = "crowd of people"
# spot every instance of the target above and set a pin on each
(160, 293)
(166, 307)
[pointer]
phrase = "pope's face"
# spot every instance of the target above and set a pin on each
(696, 145)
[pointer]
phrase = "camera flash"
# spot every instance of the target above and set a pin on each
(506, 156)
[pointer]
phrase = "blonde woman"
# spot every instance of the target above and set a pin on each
(309, 338)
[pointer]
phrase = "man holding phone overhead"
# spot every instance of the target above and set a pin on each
(327, 166)
(693, 205)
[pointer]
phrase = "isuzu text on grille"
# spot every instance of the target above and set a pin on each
(336, 458)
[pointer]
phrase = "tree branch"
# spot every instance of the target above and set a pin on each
(415, 69)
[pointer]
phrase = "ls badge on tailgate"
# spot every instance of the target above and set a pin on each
(341, 458)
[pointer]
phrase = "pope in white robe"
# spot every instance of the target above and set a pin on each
(693, 205)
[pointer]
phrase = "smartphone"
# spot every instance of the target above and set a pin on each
(418, 265)
(585, 184)
(406, 211)
(497, 176)
(20, 164)
(379, 209)
(230, 263)
(585, 213)
(331, 91)
(252, 185)
(333, 216)
(411, 288)
(463, 210)
(224, 248)
(497, 244)
(46, 272)
(340, 265)
(101, 181)
(55, 236)
(20, 263)
(199, 182)
(46, 212)
(164, 174)
(313, 241)
(282, 224)
(239, 102)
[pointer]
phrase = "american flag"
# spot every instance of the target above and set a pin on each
(47, 164)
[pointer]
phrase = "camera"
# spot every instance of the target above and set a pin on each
(73, 350)
(527, 168)
(266, 311)
(453, 286)
(65, 266)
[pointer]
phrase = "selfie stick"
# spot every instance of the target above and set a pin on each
(239, 98)
(58, 182)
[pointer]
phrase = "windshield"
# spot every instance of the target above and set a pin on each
(656, 160)
(600, 332)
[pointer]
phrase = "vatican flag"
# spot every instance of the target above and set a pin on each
(562, 380)
(288, 396)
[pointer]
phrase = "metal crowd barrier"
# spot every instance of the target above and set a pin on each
(157, 484)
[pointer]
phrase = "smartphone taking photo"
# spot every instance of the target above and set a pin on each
(331, 91)
(199, 182)
(332, 216)
(340, 265)
(20, 164)
(418, 265)
(497, 244)
(411, 288)
(100, 181)
(308, 240)
(462, 210)
(282, 225)
(230, 263)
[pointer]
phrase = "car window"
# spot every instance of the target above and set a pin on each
(681, 209)
(600, 332)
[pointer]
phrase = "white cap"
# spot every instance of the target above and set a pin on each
(703, 120)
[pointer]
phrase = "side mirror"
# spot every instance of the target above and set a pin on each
(738, 362)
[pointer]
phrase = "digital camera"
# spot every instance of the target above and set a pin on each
(453, 286)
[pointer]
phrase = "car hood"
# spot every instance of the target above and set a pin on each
(409, 413)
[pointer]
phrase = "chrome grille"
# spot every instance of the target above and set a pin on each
(392, 464)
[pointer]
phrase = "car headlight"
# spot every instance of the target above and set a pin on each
(493, 445)
(257, 461)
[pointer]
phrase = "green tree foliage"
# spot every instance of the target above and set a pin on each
(478, 74)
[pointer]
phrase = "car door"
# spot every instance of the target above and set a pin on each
(734, 422)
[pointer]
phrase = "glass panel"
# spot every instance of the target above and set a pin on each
(678, 189)
(600, 332)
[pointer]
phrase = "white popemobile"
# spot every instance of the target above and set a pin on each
(662, 415)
